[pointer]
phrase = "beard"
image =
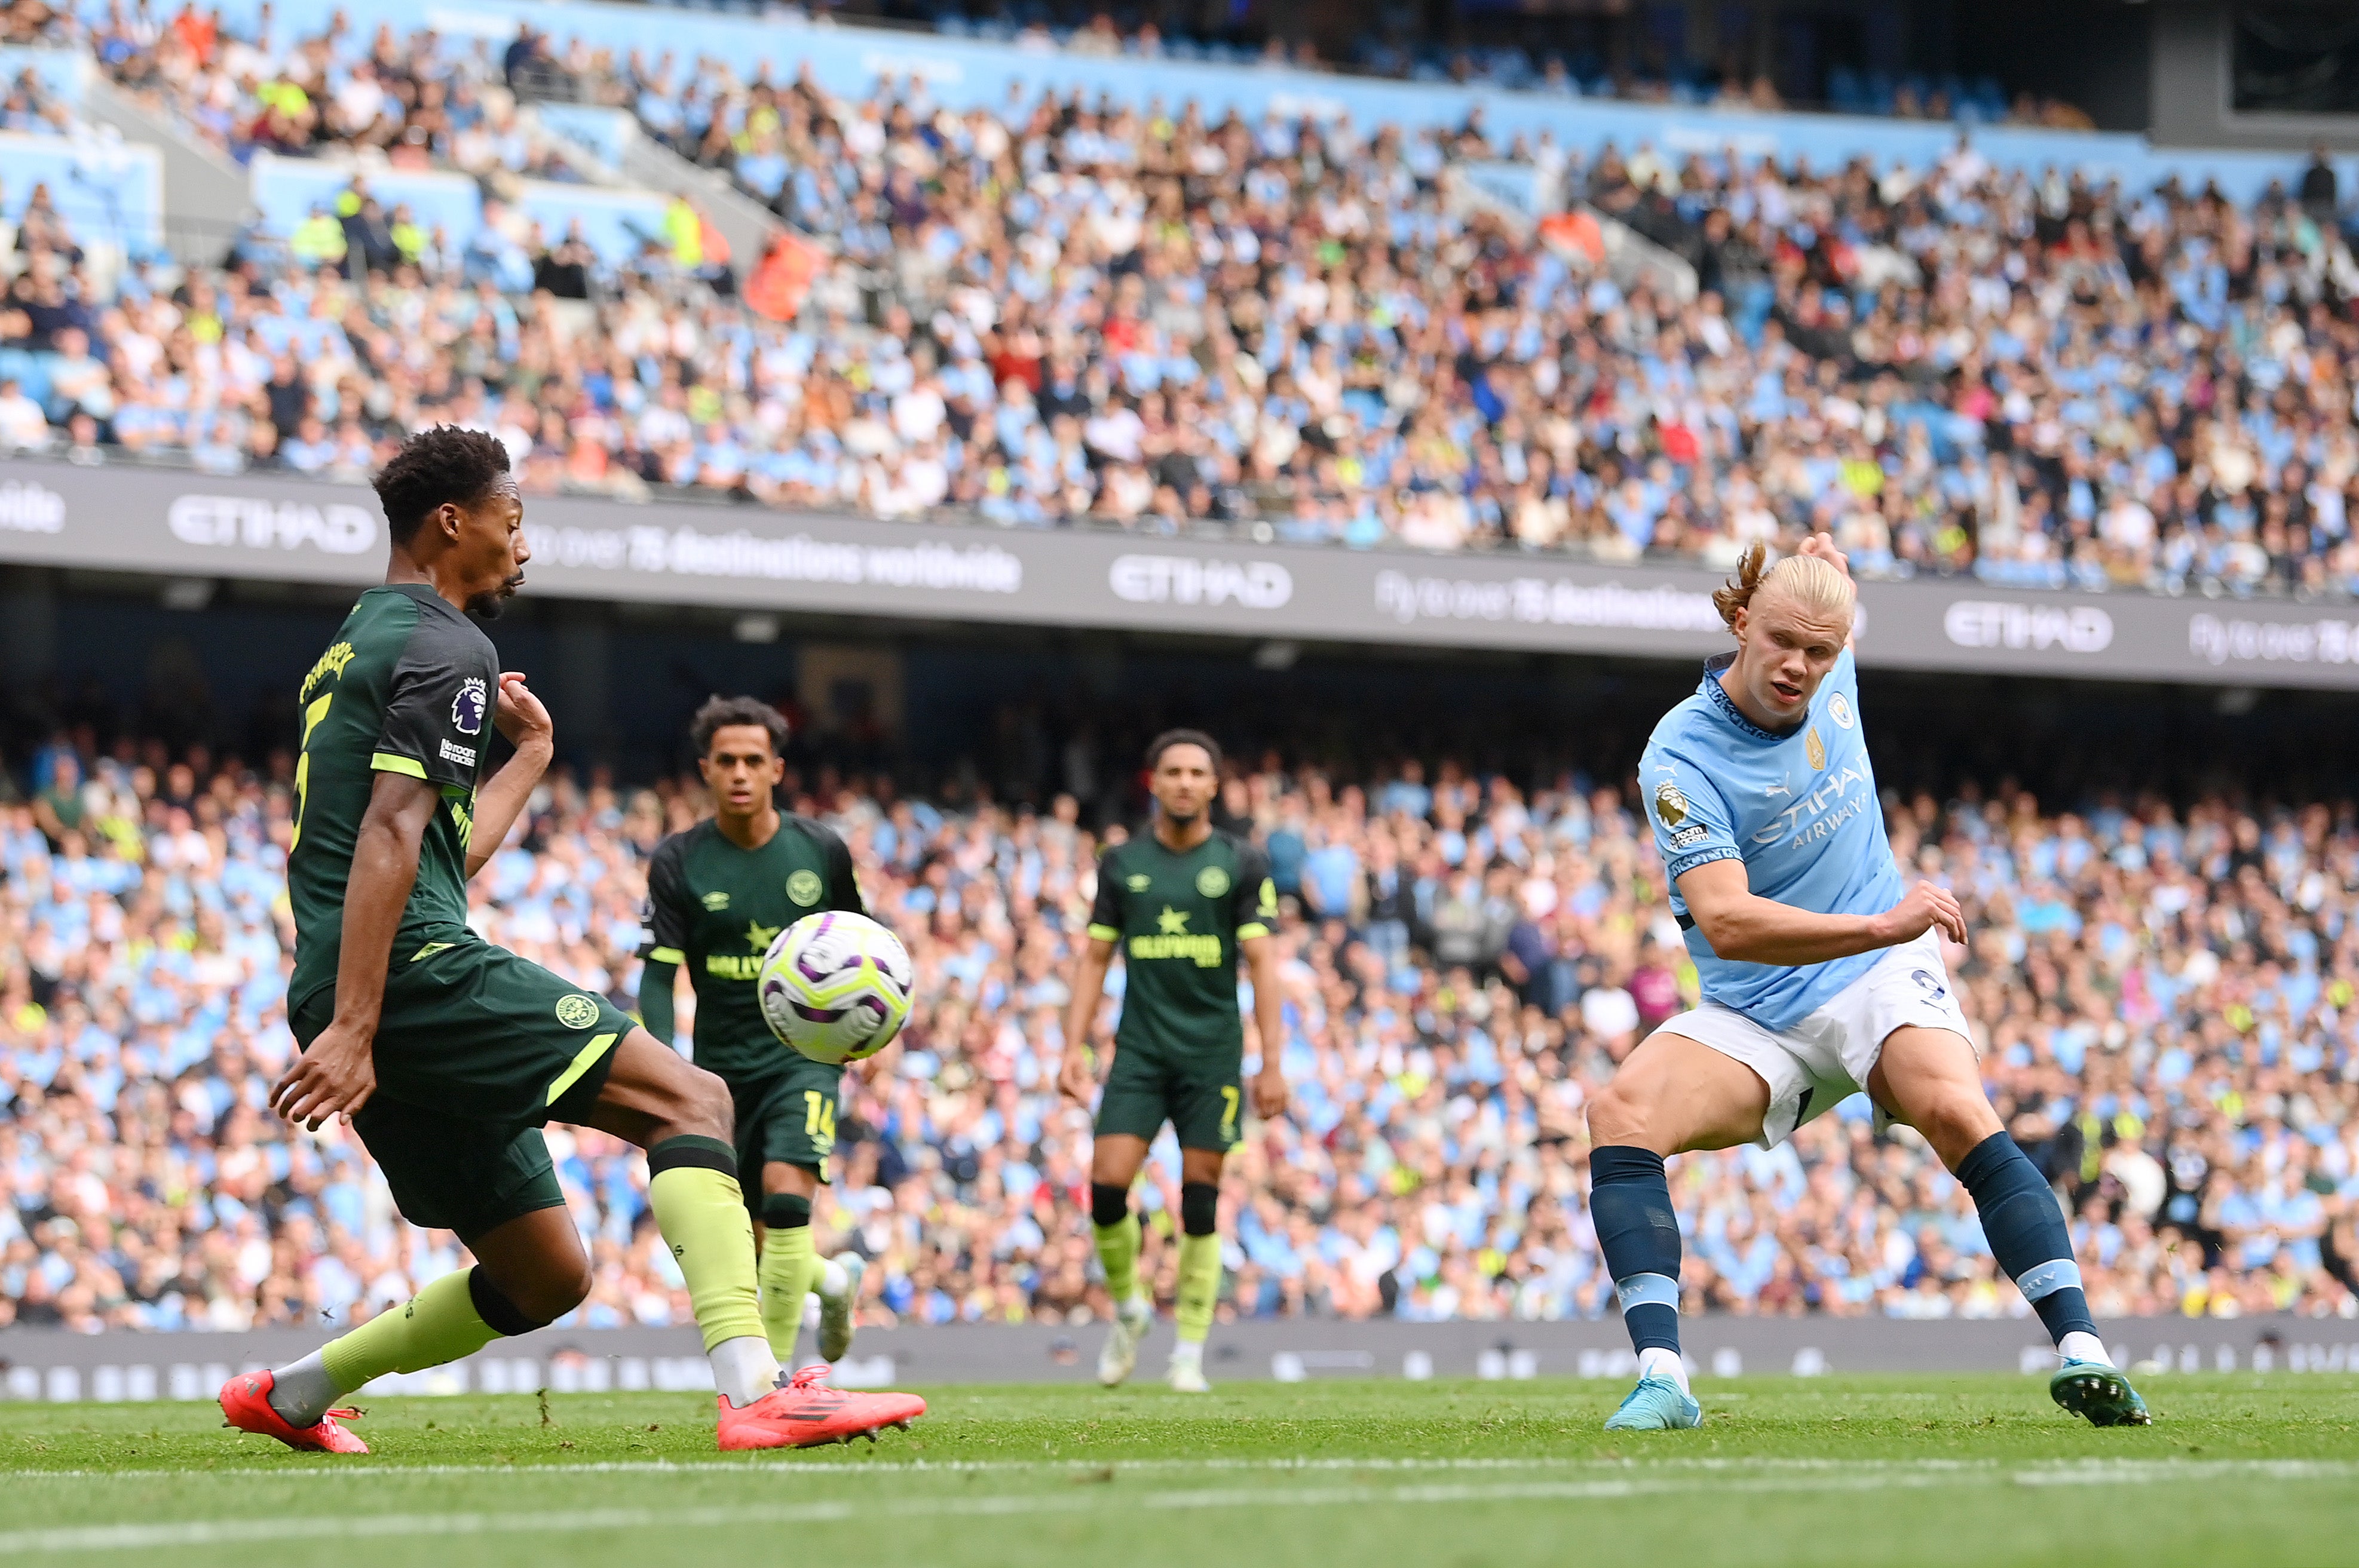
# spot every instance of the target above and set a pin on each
(487, 605)
(1180, 818)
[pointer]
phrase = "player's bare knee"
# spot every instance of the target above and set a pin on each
(703, 1106)
(527, 1294)
(577, 1288)
(1955, 1120)
(1616, 1116)
(555, 1292)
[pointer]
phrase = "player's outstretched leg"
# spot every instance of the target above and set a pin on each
(1199, 1283)
(1630, 1205)
(1134, 1313)
(456, 1316)
(531, 1271)
(2029, 1237)
(1930, 1077)
(682, 1116)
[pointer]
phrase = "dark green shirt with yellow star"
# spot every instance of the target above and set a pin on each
(713, 909)
(1177, 919)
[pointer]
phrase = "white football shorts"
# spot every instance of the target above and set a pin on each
(1827, 1057)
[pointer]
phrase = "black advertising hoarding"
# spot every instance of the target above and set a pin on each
(187, 524)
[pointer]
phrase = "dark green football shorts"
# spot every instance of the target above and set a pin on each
(476, 1049)
(786, 1114)
(1202, 1100)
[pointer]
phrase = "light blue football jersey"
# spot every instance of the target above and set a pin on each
(1799, 809)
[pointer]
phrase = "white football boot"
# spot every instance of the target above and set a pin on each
(835, 1309)
(1132, 1319)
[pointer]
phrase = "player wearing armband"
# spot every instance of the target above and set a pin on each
(1822, 976)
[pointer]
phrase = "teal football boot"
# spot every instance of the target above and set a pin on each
(2100, 1392)
(1659, 1404)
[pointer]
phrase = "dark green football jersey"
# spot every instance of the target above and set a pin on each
(1176, 921)
(406, 688)
(715, 909)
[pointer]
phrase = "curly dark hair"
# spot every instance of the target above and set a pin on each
(1170, 738)
(443, 463)
(722, 713)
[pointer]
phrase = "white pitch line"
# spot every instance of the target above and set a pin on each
(2051, 1472)
(182, 1535)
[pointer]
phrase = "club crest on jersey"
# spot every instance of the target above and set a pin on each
(1670, 805)
(1814, 748)
(468, 707)
(577, 1011)
(1838, 709)
(1211, 881)
(804, 888)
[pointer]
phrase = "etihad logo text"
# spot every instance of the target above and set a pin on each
(1185, 579)
(256, 523)
(31, 509)
(1994, 624)
(1807, 818)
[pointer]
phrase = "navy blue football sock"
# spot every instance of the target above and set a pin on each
(2027, 1233)
(1630, 1205)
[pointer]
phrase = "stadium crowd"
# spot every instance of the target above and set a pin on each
(1070, 310)
(2163, 998)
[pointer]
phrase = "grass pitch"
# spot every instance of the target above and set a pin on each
(1923, 1471)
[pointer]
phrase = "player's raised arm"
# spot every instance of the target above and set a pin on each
(1746, 928)
(338, 1074)
(526, 724)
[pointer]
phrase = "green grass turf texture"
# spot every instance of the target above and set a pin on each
(1924, 1471)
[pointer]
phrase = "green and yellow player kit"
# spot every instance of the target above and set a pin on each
(713, 909)
(1177, 919)
(476, 1047)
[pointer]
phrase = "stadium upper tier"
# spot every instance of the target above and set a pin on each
(2163, 1000)
(1062, 308)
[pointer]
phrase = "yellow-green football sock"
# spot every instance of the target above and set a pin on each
(701, 1212)
(789, 1266)
(1118, 1253)
(439, 1325)
(1200, 1286)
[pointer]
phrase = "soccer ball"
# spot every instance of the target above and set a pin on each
(835, 986)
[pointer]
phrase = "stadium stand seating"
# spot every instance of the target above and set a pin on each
(1148, 317)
